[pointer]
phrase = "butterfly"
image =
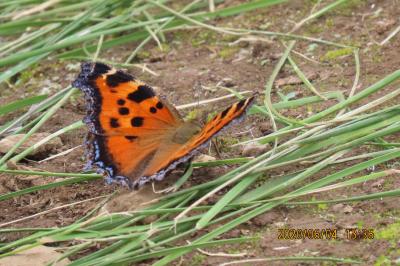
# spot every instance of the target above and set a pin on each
(135, 136)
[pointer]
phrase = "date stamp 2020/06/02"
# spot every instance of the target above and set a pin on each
(324, 233)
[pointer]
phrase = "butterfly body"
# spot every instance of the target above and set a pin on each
(135, 136)
(184, 132)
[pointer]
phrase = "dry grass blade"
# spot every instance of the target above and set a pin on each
(35, 9)
(50, 210)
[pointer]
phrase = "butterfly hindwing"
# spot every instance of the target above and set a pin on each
(180, 153)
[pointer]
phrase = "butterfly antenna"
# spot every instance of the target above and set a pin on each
(197, 88)
(199, 114)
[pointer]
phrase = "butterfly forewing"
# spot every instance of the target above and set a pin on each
(121, 104)
(125, 114)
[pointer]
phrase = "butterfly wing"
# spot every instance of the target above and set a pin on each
(127, 121)
(171, 154)
(119, 104)
(120, 158)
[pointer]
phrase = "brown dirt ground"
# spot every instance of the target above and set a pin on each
(199, 57)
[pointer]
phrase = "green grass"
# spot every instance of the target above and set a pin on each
(20, 104)
(319, 142)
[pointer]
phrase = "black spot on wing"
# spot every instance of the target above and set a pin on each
(225, 112)
(240, 104)
(121, 102)
(153, 110)
(123, 111)
(159, 105)
(142, 93)
(117, 78)
(92, 70)
(100, 68)
(131, 138)
(137, 121)
(114, 122)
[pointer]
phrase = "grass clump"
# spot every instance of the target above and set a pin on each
(390, 233)
(228, 52)
(204, 37)
(335, 54)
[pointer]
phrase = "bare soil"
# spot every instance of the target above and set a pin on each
(190, 67)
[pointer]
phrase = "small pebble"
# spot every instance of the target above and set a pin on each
(253, 149)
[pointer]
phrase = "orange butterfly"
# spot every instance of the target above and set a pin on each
(134, 136)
